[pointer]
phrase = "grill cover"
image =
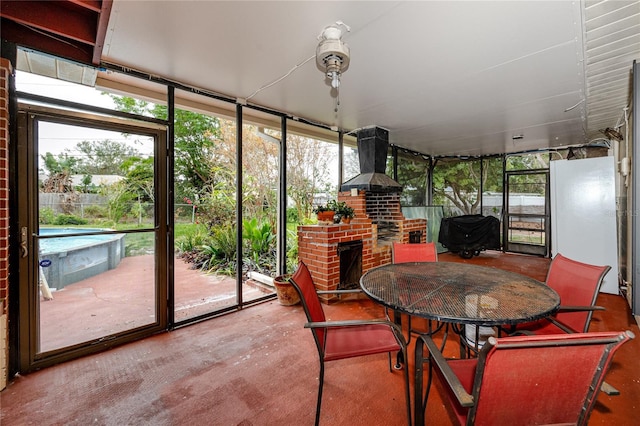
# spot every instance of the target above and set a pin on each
(469, 234)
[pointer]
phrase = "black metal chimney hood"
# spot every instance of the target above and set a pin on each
(373, 145)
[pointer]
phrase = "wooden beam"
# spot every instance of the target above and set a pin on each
(55, 17)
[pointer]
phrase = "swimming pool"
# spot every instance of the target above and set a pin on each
(66, 260)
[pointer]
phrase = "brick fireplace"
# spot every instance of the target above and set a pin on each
(378, 221)
(318, 244)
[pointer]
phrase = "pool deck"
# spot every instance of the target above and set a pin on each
(123, 298)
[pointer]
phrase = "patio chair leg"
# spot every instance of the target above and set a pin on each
(418, 406)
(321, 377)
(407, 391)
(399, 360)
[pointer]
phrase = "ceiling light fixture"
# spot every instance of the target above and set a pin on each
(332, 55)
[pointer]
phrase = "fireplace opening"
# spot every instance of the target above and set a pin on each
(350, 254)
(415, 237)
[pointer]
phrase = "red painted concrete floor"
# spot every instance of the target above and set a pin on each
(123, 298)
(259, 366)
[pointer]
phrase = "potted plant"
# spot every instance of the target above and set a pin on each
(286, 292)
(345, 212)
(325, 212)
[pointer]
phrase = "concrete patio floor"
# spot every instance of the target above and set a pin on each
(259, 366)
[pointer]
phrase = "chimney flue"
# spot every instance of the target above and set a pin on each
(373, 146)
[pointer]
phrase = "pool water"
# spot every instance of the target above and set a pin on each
(65, 260)
(54, 245)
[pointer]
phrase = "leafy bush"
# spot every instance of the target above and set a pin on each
(292, 249)
(223, 240)
(292, 215)
(259, 237)
(69, 219)
(46, 216)
(218, 207)
(219, 253)
(190, 242)
(96, 211)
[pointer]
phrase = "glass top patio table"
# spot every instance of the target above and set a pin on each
(460, 293)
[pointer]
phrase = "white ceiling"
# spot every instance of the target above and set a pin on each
(444, 77)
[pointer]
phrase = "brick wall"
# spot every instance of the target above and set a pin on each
(5, 72)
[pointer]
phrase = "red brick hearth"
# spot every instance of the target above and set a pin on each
(318, 244)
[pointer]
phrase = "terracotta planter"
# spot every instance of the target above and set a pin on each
(287, 294)
(326, 217)
(346, 220)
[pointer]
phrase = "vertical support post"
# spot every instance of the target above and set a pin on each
(635, 193)
(340, 158)
(170, 151)
(239, 205)
(281, 250)
(394, 156)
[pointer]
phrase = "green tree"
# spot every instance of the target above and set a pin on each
(412, 175)
(195, 137)
(138, 173)
(63, 163)
(459, 183)
(59, 170)
(104, 157)
(308, 171)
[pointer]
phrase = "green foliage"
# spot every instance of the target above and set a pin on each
(191, 241)
(331, 205)
(103, 157)
(343, 210)
(458, 183)
(69, 219)
(530, 161)
(292, 249)
(118, 200)
(194, 140)
(292, 215)
(96, 212)
(46, 216)
(309, 167)
(63, 163)
(139, 177)
(412, 175)
(222, 244)
(259, 238)
(86, 185)
(218, 206)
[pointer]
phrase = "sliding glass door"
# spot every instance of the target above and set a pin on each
(92, 220)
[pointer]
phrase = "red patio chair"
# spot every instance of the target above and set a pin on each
(578, 285)
(423, 252)
(337, 340)
(522, 380)
(417, 252)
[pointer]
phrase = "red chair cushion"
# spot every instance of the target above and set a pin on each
(347, 342)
